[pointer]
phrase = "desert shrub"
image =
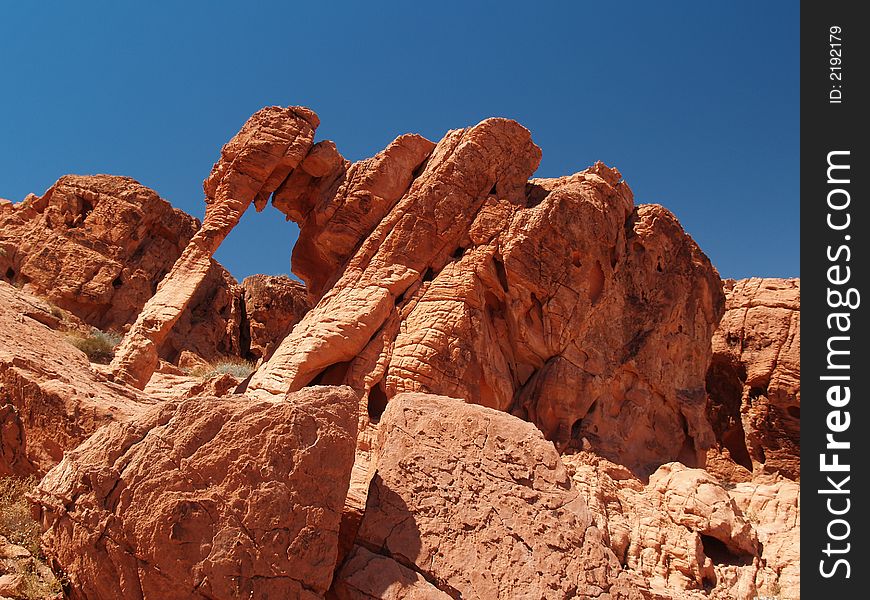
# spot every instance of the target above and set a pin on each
(16, 524)
(237, 367)
(99, 345)
(19, 528)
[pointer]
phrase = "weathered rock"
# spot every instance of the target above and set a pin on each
(338, 209)
(366, 575)
(97, 246)
(50, 397)
(477, 502)
(689, 536)
(273, 305)
(773, 507)
(252, 164)
(217, 498)
(754, 376)
(551, 299)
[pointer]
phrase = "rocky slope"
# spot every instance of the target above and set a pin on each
(490, 386)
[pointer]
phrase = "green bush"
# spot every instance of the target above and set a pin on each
(99, 345)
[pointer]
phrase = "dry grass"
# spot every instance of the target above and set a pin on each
(17, 526)
(99, 345)
(237, 367)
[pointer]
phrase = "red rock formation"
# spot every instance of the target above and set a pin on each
(689, 536)
(477, 503)
(754, 377)
(218, 498)
(50, 398)
(566, 319)
(252, 164)
(597, 329)
(273, 305)
(98, 246)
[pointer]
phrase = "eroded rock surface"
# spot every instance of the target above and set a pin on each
(556, 300)
(273, 305)
(205, 498)
(477, 503)
(97, 246)
(51, 399)
(690, 536)
(252, 164)
(754, 377)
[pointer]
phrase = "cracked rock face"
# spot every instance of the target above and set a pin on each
(206, 498)
(477, 503)
(252, 164)
(754, 377)
(272, 306)
(689, 536)
(98, 246)
(443, 269)
(51, 399)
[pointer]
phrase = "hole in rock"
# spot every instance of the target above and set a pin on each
(10, 273)
(576, 428)
(331, 375)
(720, 554)
(116, 282)
(86, 209)
(458, 253)
(535, 194)
(596, 283)
(500, 273)
(428, 275)
(659, 265)
(493, 191)
(377, 402)
(757, 392)
(794, 412)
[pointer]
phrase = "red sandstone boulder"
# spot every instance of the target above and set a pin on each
(210, 497)
(556, 300)
(689, 535)
(477, 503)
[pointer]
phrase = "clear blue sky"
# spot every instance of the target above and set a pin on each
(695, 102)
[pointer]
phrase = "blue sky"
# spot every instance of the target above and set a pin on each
(695, 102)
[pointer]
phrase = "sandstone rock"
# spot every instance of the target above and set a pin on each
(366, 575)
(552, 299)
(13, 585)
(252, 164)
(219, 498)
(689, 536)
(338, 210)
(478, 503)
(50, 397)
(773, 507)
(273, 305)
(754, 376)
(97, 246)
